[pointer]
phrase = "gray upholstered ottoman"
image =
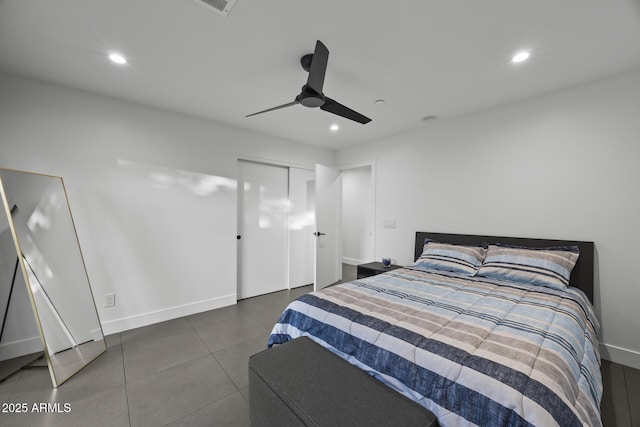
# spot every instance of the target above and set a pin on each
(300, 383)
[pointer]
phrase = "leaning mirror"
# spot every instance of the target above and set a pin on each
(48, 256)
(20, 342)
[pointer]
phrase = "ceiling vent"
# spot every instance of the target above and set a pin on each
(222, 7)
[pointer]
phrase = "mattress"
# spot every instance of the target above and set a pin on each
(471, 350)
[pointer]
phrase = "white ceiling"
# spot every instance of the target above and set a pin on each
(424, 57)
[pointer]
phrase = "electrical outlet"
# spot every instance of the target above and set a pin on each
(109, 300)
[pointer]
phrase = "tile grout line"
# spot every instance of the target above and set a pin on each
(204, 406)
(626, 389)
(124, 374)
(18, 377)
(237, 390)
(214, 356)
(186, 362)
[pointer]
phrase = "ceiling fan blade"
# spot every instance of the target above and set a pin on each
(276, 108)
(318, 67)
(335, 107)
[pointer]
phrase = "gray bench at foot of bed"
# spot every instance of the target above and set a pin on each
(302, 383)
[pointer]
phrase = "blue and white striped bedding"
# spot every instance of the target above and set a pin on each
(473, 351)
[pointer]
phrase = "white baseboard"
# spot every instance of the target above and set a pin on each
(353, 261)
(14, 349)
(620, 355)
(126, 323)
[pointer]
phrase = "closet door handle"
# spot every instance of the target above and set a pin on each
(318, 234)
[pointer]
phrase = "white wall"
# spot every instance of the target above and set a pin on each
(563, 166)
(153, 199)
(357, 216)
(152, 193)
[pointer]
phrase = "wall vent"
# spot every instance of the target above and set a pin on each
(222, 7)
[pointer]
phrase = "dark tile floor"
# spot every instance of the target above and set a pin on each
(192, 371)
(621, 397)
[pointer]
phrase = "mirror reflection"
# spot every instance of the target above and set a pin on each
(52, 266)
(20, 342)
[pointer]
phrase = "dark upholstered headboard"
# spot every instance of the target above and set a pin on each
(581, 276)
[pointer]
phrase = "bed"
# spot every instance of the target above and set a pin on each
(491, 338)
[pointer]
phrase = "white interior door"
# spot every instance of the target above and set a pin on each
(328, 210)
(358, 209)
(301, 226)
(263, 208)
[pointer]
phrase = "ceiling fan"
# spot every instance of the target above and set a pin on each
(311, 95)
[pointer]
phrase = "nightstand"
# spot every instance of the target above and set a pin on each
(373, 268)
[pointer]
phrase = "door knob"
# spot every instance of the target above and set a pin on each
(318, 234)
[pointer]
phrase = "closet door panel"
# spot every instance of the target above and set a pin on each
(263, 227)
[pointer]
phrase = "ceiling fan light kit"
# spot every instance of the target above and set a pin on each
(311, 94)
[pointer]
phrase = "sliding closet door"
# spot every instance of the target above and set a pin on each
(262, 224)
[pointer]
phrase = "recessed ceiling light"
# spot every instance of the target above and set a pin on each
(334, 127)
(521, 56)
(117, 58)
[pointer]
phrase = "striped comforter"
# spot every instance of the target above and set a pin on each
(472, 351)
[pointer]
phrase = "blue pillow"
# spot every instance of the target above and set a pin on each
(447, 257)
(549, 267)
